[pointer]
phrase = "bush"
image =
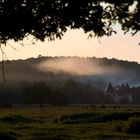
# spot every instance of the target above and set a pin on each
(6, 136)
(132, 126)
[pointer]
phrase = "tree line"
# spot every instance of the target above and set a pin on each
(71, 92)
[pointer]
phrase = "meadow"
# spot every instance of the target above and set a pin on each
(70, 123)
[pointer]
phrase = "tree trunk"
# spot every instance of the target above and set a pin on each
(2, 61)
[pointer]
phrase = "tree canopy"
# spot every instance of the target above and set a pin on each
(51, 18)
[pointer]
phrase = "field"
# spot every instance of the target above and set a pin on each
(70, 123)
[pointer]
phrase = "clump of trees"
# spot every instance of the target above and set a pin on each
(70, 92)
(36, 93)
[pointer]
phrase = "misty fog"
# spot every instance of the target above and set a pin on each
(58, 69)
(80, 67)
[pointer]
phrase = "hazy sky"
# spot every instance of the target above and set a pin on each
(76, 43)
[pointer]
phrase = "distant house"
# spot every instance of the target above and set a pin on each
(119, 94)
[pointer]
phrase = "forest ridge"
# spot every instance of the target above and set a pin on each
(68, 80)
(86, 69)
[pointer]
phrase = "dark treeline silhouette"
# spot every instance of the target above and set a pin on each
(71, 92)
(114, 70)
(28, 84)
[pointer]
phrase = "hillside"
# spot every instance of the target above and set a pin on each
(61, 68)
(69, 80)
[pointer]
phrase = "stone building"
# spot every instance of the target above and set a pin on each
(119, 94)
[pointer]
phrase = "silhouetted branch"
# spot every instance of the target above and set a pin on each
(12, 46)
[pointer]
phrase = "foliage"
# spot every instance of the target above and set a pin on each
(50, 18)
(132, 126)
(6, 136)
(36, 93)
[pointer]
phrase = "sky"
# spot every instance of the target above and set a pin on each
(76, 43)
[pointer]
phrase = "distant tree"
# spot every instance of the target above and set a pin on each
(58, 98)
(36, 93)
(73, 91)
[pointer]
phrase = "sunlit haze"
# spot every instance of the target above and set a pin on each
(76, 67)
(76, 43)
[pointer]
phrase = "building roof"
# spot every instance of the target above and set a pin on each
(110, 88)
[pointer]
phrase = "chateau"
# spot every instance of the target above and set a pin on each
(119, 94)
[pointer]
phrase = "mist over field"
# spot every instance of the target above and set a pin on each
(77, 67)
(59, 69)
(67, 80)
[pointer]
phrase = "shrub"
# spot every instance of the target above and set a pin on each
(132, 126)
(6, 136)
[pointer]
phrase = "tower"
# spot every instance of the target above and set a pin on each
(109, 89)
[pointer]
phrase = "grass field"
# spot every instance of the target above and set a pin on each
(69, 123)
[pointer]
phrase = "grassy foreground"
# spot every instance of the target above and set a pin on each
(69, 123)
